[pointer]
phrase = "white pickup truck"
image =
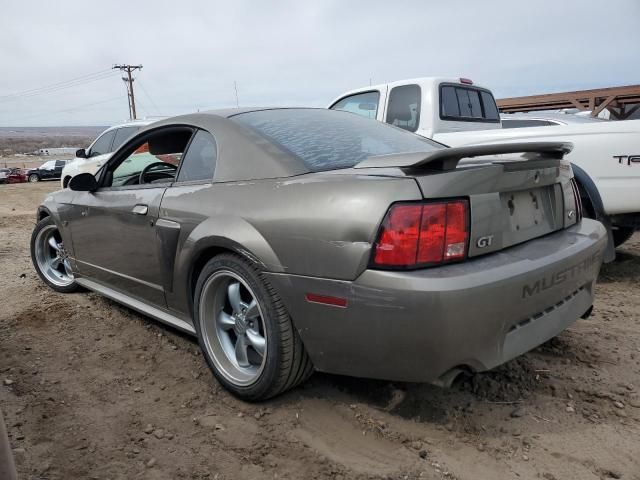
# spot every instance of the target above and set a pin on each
(454, 111)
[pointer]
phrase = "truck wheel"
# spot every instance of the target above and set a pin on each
(33, 178)
(621, 235)
(245, 332)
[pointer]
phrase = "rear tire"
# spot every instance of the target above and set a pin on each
(621, 235)
(33, 178)
(245, 332)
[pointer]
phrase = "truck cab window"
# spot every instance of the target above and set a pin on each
(467, 104)
(363, 104)
(403, 109)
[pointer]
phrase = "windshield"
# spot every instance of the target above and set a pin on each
(328, 139)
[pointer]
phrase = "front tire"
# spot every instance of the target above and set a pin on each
(245, 332)
(50, 258)
(33, 178)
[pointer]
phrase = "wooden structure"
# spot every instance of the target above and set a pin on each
(620, 101)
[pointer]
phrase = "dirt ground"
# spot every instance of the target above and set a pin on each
(90, 389)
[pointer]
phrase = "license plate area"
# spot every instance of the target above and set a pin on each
(529, 213)
(526, 209)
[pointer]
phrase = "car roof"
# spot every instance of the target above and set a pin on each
(239, 143)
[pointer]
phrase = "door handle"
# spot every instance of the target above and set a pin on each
(140, 209)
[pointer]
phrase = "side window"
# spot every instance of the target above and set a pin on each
(363, 104)
(60, 163)
(102, 144)
(121, 135)
(154, 158)
(404, 107)
(199, 162)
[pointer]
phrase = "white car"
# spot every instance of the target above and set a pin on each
(91, 159)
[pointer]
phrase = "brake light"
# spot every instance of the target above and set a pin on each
(414, 235)
(466, 81)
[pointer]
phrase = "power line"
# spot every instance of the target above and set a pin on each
(129, 80)
(84, 79)
(146, 94)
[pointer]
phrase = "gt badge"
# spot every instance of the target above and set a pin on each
(485, 241)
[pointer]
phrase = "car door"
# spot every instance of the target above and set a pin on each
(57, 171)
(113, 229)
(46, 170)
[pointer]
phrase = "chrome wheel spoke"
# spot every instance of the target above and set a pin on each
(252, 309)
(257, 341)
(53, 244)
(225, 321)
(233, 292)
(55, 263)
(241, 352)
(67, 266)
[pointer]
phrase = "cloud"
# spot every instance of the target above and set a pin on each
(298, 53)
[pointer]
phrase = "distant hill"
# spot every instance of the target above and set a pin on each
(30, 139)
(35, 132)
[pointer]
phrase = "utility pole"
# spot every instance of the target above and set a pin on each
(129, 81)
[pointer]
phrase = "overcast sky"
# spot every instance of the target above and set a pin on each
(297, 52)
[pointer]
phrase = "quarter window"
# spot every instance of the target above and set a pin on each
(103, 144)
(363, 104)
(199, 162)
(403, 109)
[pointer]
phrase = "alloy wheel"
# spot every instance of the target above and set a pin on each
(53, 260)
(233, 328)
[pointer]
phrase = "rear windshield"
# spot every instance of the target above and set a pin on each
(467, 104)
(328, 139)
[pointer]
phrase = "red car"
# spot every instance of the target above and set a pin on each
(12, 175)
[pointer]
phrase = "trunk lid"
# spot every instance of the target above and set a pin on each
(512, 198)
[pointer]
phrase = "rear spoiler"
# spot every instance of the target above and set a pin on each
(448, 158)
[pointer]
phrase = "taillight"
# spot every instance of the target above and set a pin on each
(415, 235)
(577, 199)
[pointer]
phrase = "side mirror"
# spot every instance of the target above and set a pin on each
(83, 182)
(82, 153)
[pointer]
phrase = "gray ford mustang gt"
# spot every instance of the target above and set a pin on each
(294, 240)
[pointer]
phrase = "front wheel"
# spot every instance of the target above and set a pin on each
(245, 332)
(50, 258)
(33, 178)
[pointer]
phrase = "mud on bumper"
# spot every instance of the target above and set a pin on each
(419, 325)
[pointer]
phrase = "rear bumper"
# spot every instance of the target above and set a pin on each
(419, 325)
